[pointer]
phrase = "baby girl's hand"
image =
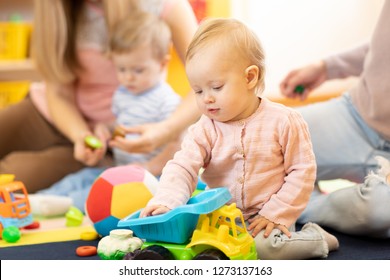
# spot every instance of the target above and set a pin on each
(259, 223)
(152, 210)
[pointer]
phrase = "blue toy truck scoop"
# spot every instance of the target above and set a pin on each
(177, 225)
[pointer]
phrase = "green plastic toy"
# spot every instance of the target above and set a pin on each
(11, 234)
(93, 142)
(74, 217)
(299, 89)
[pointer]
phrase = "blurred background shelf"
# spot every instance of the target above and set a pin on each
(23, 69)
(11, 70)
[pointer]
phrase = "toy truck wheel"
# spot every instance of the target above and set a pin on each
(211, 254)
(153, 252)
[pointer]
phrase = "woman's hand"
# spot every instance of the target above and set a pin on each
(146, 138)
(308, 77)
(259, 223)
(88, 155)
(102, 132)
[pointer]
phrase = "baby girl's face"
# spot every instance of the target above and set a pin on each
(220, 85)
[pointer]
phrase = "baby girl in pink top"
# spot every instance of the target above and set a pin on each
(261, 151)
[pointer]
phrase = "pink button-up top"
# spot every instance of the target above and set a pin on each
(266, 161)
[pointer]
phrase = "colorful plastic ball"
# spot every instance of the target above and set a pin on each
(116, 193)
(11, 234)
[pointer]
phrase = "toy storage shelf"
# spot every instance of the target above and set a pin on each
(11, 70)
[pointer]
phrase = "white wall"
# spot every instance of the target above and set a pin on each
(296, 32)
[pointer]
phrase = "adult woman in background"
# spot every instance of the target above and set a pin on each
(42, 137)
(350, 133)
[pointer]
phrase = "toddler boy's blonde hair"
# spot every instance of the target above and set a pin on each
(232, 36)
(141, 29)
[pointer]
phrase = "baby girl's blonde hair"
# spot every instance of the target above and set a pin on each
(235, 37)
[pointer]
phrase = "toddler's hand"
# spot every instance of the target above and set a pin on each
(259, 223)
(152, 210)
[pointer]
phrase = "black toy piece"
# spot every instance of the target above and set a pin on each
(211, 254)
(153, 252)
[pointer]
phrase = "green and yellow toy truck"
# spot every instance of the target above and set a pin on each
(204, 228)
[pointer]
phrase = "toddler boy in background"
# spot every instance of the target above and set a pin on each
(139, 48)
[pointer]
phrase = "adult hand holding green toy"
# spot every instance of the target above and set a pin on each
(299, 89)
(93, 142)
(301, 82)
